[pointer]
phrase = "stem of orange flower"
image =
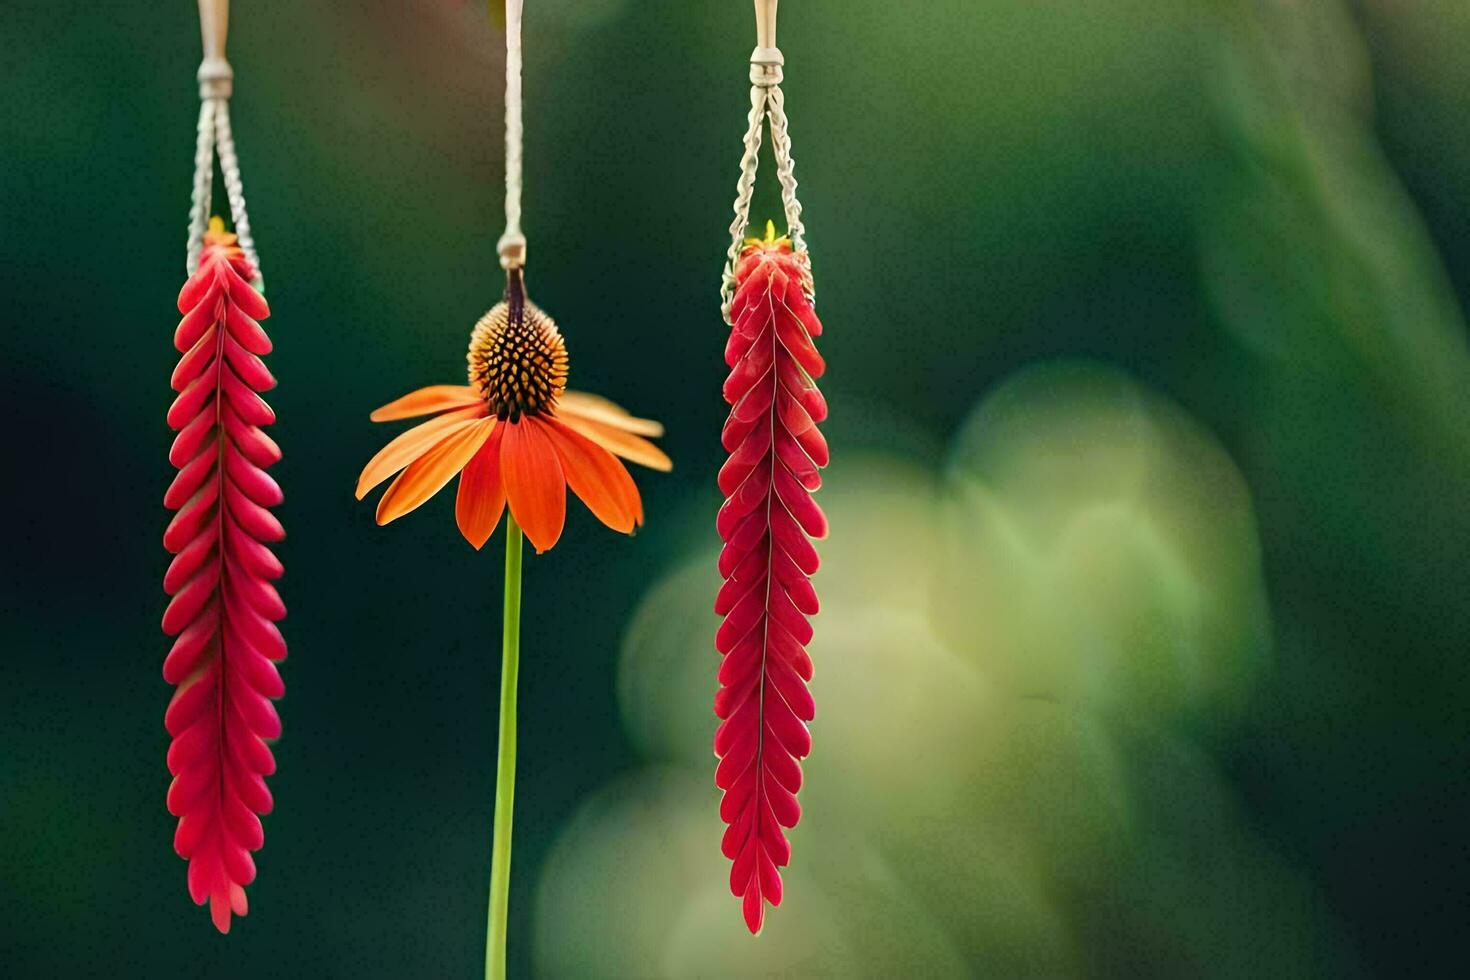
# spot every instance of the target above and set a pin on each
(505, 767)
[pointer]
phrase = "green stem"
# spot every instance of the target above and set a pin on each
(505, 767)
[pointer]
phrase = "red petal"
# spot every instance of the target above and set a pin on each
(775, 453)
(223, 603)
(534, 485)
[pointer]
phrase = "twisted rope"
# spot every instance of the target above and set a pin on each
(512, 244)
(766, 101)
(229, 165)
(215, 137)
(785, 167)
(744, 188)
(203, 185)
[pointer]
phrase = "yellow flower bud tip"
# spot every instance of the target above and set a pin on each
(216, 234)
(771, 239)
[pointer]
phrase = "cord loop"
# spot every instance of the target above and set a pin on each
(767, 104)
(214, 138)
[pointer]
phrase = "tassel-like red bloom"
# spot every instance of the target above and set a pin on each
(769, 515)
(224, 608)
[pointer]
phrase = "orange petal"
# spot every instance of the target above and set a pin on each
(434, 398)
(427, 475)
(410, 445)
(534, 484)
(599, 409)
(481, 497)
(618, 442)
(595, 475)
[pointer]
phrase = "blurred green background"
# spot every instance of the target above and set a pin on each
(1147, 599)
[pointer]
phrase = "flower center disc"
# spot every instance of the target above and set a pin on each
(518, 360)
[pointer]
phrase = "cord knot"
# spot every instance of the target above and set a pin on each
(512, 249)
(216, 79)
(765, 67)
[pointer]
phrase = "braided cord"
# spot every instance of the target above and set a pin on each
(744, 189)
(229, 165)
(214, 138)
(203, 185)
(785, 167)
(769, 103)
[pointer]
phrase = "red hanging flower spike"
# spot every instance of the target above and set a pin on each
(769, 514)
(224, 608)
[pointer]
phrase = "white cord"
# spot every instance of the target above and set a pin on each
(229, 165)
(512, 244)
(768, 102)
(216, 84)
(785, 166)
(203, 185)
(744, 188)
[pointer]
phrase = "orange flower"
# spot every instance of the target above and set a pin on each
(515, 436)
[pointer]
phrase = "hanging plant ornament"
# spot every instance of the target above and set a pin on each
(518, 440)
(769, 515)
(224, 608)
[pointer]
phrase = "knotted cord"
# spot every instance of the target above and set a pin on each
(767, 104)
(214, 136)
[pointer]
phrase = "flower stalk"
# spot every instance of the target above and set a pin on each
(505, 765)
(519, 442)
